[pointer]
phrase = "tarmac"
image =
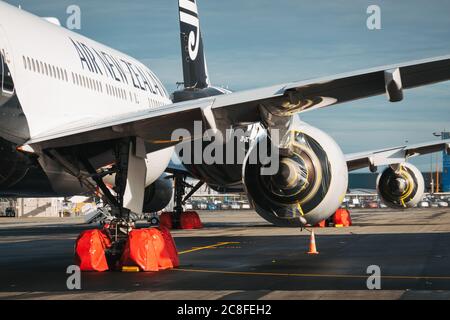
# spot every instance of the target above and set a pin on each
(237, 255)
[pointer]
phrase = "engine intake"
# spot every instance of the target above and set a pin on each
(309, 185)
(401, 186)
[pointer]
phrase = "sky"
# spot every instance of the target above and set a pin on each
(257, 43)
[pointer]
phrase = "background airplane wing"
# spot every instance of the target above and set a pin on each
(156, 125)
(395, 155)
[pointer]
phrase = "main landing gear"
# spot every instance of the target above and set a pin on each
(119, 245)
(180, 219)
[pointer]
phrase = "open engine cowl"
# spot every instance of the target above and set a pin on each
(401, 186)
(309, 185)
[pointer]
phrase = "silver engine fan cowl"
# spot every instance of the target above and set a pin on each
(310, 183)
(401, 186)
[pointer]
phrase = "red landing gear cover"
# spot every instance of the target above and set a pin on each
(90, 250)
(342, 217)
(165, 220)
(150, 249)
(190, 220)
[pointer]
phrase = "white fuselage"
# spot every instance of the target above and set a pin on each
(61, 77)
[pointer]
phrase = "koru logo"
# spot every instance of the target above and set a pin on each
(192, 20)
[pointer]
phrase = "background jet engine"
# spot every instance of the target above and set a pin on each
(401, 186)
(158, 194)
(310, 183)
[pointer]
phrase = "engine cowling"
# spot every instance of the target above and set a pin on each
(401, 186)
(158, 195)
(310, 183)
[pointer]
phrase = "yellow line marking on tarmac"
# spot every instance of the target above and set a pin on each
(312, 275)
(213, 246)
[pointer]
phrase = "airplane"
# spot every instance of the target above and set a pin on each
(78, 117)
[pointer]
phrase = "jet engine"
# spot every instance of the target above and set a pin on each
(401, 186)
(158, 195)
(309, 185)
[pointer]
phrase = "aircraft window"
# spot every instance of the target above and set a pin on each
(77, 79)
(46, 69)
(101, 87)
(29, 63)
(42, 67)
(24, 62)
(37, 67)
(65, 76)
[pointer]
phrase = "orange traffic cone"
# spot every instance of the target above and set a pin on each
(312, 244)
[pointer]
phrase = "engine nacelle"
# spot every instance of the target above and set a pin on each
(401, 186)
(158, 195)
(310, 184)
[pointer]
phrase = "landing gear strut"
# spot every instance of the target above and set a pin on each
(180, 198)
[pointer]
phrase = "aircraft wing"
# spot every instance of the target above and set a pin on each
(157, 124)
(395, 155)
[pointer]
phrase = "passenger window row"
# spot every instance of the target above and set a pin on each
(80, 80)
(45, 69)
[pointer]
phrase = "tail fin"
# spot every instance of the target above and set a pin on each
(195, 71)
